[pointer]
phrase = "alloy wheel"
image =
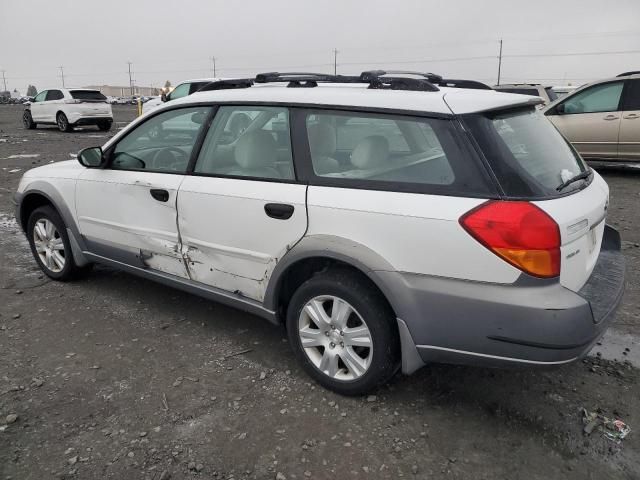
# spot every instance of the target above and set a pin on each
(49, 245)
(335, 338)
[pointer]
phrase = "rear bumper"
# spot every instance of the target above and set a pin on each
(93, 119)
(531, 322)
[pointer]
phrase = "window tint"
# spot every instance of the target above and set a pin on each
(54, 95)
(528, 155)
(91, 95)
(180, 91)
(161, 144)
(395, 150)
(599, 98)
(248, 142)
(632, 95)
(41, 96)
(195, 86)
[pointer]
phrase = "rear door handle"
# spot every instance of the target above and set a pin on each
(611, 117)
(279, 211)
(159, 194)
(631, 116)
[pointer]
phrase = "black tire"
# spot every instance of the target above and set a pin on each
(63, 123)
(375, 312)
(27, 120)
(104, 126)
(70, 269)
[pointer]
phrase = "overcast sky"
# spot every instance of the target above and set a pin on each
(174, 40)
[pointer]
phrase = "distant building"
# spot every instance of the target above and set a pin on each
(113, 91)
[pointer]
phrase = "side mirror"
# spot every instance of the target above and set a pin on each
(559, 110)
(91, 157)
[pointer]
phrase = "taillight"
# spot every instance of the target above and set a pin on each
(520, 233)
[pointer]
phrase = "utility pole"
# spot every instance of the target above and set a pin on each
(62, 74)
(335, 61)
(213, 60)
(499, 62)
(4, 80)
(130, 80)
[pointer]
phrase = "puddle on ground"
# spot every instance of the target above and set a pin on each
(613, 346)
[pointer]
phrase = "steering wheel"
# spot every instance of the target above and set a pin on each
(178, 161)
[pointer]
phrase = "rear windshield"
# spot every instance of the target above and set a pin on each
(520, 91)
(525, 151)
(90, 95)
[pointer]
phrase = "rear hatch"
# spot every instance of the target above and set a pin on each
(533, 162)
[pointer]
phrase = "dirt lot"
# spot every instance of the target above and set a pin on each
(117, 377)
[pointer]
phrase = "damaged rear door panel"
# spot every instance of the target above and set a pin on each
(229, 240)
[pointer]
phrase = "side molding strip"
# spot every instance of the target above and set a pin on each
(494, 357)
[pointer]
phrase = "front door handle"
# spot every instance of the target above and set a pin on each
(159, 194)
(280, 211)
(611, 117)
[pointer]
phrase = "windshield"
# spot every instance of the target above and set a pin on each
(525, 151)
(92, 95)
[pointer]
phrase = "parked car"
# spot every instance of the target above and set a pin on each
(68, 108)
(563, 90)
(602, 119)
(534, 89)
(182, 90)
(384, 227)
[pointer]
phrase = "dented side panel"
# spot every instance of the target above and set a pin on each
(228, 240)
(117, 206)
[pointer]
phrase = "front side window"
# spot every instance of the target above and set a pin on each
(161, 144)
(180, 91)
(599, 98)
(397, 151)
(41, 96)
(528, 155)
(248, 142)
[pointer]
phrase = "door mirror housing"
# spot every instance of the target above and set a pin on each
(91, 157)
(559, 110)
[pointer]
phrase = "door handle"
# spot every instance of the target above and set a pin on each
(611, 117)
(280, 211)
(631, 116)
(159, 194)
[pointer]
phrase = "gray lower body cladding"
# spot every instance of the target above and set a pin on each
(528, 323)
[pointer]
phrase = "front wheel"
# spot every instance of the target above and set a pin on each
(50, 245)
(27, 120)
(63, 123)
(343, 332)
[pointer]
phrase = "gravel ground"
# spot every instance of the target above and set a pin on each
(117, 377)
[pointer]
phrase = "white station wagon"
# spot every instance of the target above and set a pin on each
(387, 220)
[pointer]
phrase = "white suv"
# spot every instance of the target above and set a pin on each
(68, 108)
(388, 221)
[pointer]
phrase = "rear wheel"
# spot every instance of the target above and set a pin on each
(47, 235)
(63, 123)
(343, 332)
(27, 120)
(104, 126)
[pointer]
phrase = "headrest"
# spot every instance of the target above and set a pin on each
(238, 123)
(256, 148)
(322, 140)
(370, 152)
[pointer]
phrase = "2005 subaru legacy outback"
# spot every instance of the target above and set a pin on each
(388, 220)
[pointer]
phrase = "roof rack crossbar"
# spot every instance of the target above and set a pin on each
(227, 84)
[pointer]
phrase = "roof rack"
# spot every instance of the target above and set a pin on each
(227, 84)
(626, 74)
(304, 79)
(432, 78)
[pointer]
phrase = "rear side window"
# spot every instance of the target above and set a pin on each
(88, 95)
(54, 95)
(632, 95)
(528, 155)
(392, 152)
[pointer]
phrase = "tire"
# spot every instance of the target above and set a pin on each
(27, 120)
(374, 364)
(104, 126)
(56, 238)
(63, 122)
